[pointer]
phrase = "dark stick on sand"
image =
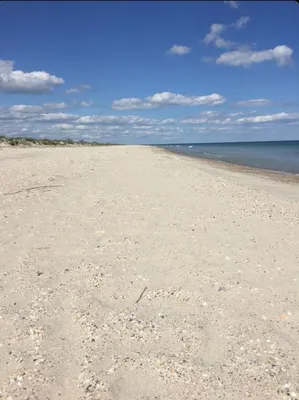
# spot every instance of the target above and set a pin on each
(142, 293)
(32, 188)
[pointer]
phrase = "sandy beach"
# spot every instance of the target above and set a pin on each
(129, 273)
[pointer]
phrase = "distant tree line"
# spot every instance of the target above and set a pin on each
(28, 141)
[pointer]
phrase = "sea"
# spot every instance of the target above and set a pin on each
(280, 156)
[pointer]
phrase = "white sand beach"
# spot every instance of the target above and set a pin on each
(131, 273)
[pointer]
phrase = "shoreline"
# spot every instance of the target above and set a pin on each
(277, 176)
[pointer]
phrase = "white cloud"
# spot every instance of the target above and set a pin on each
(168, 121)
(53, 117)
(84, 87)
(72, 90)
(235, 114)
(63, 126)
(16, 81)
(282, 55)
(54, 106)
(82, 127)
(225, 121)
(86, 103)
(195, 121)
(216, 29)
(230, 119)
(143, 127)
(24, 109)
(167, 99)
(21, 108)
(114, 120)
(232, 4)
(241, 22)
(131, 103)
(200, 121)
(254, 102)
(209, 114)
(77, 89)
(178, 50)
(99, 130)
(199, 129)
(214, 36)
(83, 103)
(269, 118)
(223, 44)
(33, 120)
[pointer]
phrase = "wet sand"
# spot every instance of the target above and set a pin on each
(132, 273)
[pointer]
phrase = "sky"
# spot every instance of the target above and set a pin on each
(150, 72)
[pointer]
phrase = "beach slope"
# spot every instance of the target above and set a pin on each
(131, 273)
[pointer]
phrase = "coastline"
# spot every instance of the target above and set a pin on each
(128, 272)
(277, 176)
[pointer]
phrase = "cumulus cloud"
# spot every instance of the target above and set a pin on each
(77, 89)
(168, 121)
(33, 120)
(178, 50)
(200, 121)
(269, 118)
(63, 126)
(254, 102)
(98, 129)
(243, 55)
(209, 114)
(222, 43)
(16, 81)
(194, 121)
(282, 55)
(232, 4)
(233, 119)
(214, 36)
(131, 103)
(54, 106)
(167, 99)
(21, 108)
(37, 114)
(82, 127)
(114, 120)
(55, 117)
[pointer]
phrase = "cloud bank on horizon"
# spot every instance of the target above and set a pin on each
(222, 81)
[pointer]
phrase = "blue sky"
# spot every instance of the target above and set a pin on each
(150, 72)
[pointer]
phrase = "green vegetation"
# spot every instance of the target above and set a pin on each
(28, 141)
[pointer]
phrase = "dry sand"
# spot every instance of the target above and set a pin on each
(216, 252)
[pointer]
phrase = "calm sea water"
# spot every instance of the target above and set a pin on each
(275, 156)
